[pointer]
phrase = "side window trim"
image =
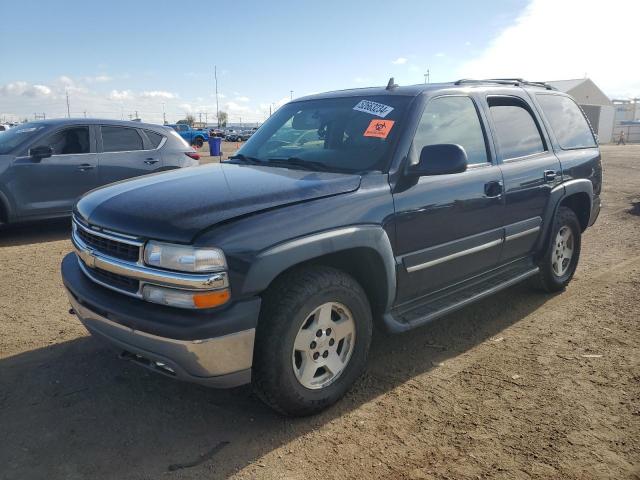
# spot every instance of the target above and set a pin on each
(537, 120)
(491, 159)
(69, 127)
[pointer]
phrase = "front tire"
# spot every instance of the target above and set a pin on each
(312, 340)
(560, 259)
(198, 142)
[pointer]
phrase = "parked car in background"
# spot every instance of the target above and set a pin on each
(233, 136)
(246, 134)
(45, 166)
(388, 207)
(192, 136)
(216, 132)
(4, 127)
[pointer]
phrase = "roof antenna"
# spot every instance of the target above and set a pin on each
(391, 85)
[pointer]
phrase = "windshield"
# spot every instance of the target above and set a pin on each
(18, 135)
(351, 134)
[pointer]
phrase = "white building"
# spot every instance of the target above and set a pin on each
(595, 104)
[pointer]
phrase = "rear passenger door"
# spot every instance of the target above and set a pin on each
(125, 152)
(529, 167)
(448, 227)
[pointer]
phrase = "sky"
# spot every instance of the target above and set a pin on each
(117, 57)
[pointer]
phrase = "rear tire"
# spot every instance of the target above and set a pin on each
(309, 315)
(560, 259)
(198, 142)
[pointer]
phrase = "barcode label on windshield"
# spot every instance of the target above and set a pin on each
(378, 109)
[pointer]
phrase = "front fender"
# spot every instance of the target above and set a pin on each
(275, 260)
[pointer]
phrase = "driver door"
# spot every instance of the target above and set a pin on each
(52, 185)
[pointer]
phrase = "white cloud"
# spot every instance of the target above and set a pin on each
(400, 61)
(121, 95)
(440, 54)
(242, 99)
(24, 89)
(554, 40)
(98, 79)
(158, 94)
(236, 107)
(186, 107)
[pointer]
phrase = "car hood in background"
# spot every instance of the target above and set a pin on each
(175, 206)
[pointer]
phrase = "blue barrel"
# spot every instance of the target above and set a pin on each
(214, 146)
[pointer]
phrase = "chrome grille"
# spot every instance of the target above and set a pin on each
(109, 246)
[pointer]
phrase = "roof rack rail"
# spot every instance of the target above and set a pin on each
(506, 81)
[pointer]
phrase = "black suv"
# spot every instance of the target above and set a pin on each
(379, 206)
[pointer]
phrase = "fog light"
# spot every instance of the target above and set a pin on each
(185, 298)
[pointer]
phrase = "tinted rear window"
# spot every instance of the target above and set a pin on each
(517, 133)
(567, 122)
(120, 139)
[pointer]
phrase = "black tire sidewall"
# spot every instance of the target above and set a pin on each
(564, 217)
(292, 397)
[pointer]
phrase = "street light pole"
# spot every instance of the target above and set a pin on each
(215, 76)
(164, 115)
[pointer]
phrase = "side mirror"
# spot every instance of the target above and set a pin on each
(440, 159)
(40, 152)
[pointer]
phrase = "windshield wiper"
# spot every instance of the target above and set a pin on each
(300, 163)
(246, 159)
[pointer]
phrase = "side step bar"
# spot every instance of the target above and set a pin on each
(417, 313)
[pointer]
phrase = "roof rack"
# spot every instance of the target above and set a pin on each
(506, 81)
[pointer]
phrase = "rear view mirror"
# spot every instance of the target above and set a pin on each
(40, 152)
(441, 159)
(306, 120)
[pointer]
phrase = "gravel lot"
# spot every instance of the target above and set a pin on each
(521, 385)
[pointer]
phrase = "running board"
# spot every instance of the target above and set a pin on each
(426, 309)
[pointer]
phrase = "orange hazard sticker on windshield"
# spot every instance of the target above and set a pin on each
(379, 128)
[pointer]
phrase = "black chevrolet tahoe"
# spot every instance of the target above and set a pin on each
(385, 207)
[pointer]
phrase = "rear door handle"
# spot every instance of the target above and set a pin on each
(550, 176)
(86, 166)
(493, 189)
(151, 161)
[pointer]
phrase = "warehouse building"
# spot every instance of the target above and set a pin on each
(595, 104)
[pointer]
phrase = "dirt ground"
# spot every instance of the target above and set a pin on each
(522, 385)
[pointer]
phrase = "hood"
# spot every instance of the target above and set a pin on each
(175, 206)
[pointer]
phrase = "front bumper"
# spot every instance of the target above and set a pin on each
(200, 347)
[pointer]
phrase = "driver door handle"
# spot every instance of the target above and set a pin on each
(86, 166)
(151, 161)
(550, 176)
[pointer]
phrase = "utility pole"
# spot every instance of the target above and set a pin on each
(164, 115)
(269, 110)
(426, 77)
(215, 76)
(85, 114)
(137, 115)
(291, 94)
(200, 116)
(68, 109)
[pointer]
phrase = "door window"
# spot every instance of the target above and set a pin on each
(517, 133)
(567, 122)
(451, 120)
(70, 141)
(120, 139)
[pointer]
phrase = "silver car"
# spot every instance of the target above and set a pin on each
(45, 166)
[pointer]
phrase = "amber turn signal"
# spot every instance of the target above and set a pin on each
(211, 299)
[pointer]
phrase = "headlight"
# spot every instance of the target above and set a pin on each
(184, 258)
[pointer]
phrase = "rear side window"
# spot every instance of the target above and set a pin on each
(517, 133)
(120, 139)
(567, 122)
(154, 138)
(452, 120)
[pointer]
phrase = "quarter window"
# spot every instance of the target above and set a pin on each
(567, 122)
(452, 120)
(517, 133)
(154, 138)
(70, 141)
(120, 139)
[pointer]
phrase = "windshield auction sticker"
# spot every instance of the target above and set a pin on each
(379, 128)
(378, 109)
